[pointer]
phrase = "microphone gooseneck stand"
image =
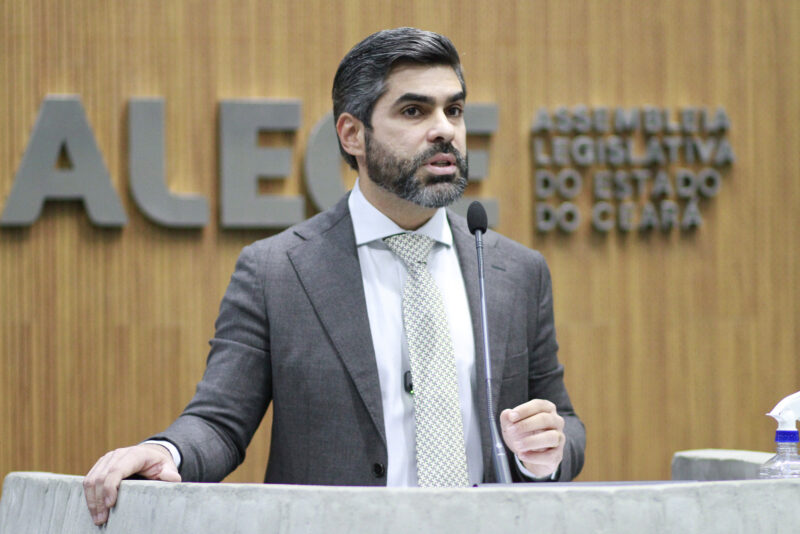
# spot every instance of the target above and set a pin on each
(478, 222)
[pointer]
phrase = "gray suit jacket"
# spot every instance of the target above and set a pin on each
(293, 330)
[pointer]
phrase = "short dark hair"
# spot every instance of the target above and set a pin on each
(361, 77)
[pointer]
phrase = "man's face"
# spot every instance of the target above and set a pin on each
(417, 144)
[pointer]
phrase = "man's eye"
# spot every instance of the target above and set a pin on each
(455, 111)
(412, 111)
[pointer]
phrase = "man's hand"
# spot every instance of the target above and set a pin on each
(102, 482)
(535, 433)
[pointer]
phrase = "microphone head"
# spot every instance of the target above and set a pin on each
(476, 218)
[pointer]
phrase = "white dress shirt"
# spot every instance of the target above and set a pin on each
(384, 275)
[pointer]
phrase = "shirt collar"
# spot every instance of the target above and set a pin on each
(369, 224)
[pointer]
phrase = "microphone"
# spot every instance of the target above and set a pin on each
(477, 223)
(477, 220)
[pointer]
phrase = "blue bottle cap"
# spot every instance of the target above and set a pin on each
(787, 436)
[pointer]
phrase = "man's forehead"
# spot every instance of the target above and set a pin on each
(429, 80)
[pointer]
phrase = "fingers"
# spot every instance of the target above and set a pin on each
(534, 423)
(535, 433)
(545, 461)
(532, 407)
(101, 484)
(539, 442)
(93, 488)
(169, 473)
(531, 418)
(550, 457)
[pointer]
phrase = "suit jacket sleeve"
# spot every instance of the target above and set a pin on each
(214, 430)
(546, 373)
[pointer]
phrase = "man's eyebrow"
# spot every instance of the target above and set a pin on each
(461, 95)
(425, 99)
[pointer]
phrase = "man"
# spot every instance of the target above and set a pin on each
(323, 320)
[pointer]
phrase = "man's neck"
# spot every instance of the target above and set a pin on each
(403, 213)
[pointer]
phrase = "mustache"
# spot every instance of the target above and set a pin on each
(440, 148)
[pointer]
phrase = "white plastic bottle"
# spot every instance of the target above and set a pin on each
(786, 463)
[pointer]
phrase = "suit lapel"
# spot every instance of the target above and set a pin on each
(328, 268)
(499, 300)
(326, 263)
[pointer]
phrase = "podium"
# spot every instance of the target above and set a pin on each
(44, 502)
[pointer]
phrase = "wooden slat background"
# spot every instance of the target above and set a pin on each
(670, 341)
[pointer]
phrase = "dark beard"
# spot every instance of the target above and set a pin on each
(400, 176)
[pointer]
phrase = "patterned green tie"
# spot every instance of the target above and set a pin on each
(441, 454)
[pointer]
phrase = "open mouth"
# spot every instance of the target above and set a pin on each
(442, 160)
(442, 166)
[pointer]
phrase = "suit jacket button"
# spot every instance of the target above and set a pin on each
(379, 470)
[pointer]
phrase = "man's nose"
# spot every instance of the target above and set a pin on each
(442, 128)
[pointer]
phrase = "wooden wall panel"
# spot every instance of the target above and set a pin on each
(671, 341)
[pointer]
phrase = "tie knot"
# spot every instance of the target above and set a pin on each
(413, 249)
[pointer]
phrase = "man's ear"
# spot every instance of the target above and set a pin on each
(351, 134)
